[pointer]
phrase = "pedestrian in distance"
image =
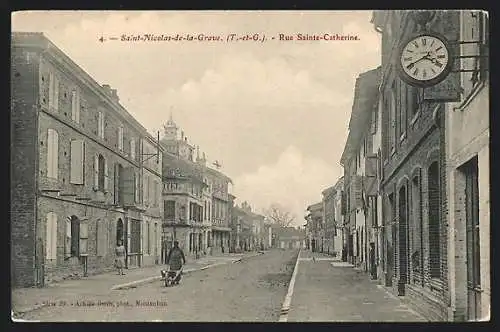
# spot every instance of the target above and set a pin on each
(120, 257)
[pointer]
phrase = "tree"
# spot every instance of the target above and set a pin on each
(279, 216)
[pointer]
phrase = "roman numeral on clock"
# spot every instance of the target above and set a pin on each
(441, 56)
(408, 59)
(415, 72)
(439, 64)
(410, 66)
(415, 43)
(424, 41)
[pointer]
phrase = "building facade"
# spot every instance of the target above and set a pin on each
(315, 227)
(412, 181)
(328, 217)
(339, 211)
(468, 187)
(359, 172)
(76, 185)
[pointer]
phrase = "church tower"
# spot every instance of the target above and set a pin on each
(170, 129)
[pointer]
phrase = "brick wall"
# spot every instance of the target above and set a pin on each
(23, 149)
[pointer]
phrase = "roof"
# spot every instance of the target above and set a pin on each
(219, 174)
(179, 168)
(315, 207)
(365, 100)
(328, 191)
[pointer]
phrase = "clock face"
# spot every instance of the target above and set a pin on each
(425, 59)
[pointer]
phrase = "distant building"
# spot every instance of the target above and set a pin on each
(290, 238)
(315, 227)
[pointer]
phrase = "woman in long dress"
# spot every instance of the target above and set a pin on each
(120, 257)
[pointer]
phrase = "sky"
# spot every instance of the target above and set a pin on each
(275, 114)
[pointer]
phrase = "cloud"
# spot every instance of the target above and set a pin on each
(292, 181)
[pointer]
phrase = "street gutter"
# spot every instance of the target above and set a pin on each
(285, 308)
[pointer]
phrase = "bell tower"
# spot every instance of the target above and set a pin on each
(170, 129)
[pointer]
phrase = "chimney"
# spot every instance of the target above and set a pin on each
(110, 92)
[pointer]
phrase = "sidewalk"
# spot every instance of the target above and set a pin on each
(28, 299)
(330, 290)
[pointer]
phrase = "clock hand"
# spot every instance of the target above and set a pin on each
(425, 57)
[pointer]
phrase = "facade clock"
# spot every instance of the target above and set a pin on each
(424, 59)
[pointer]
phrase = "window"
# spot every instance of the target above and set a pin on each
(136, 186)
(102, 237)
(72, 237)
(148, 238)
(392, 109)
(52, 153)
(169, 207)
(146, 189)
(77, 156)
(416, 228)
(100, 173)
(118, 182)
(53, 92)
(434, 220)
(120, 138)
(75, 105)
(100, 124)
(402, 109)
(51, 237)
(132, 148)
(374, 119)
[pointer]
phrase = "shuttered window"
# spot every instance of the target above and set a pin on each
(75, 105)
(106, 176)
(102, 238)
(434, 220)
(100, 124)
(169, 210)
(146, 189)
(132, 148)
(101, 176)
(120, 138)
(53, 92)
(136, 188)
(67, 242)
(393, 117)
(51, 236)
(77, 157)
(52, 153)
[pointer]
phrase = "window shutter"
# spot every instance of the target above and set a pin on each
(132, 148)
(77, 161)
(50, 152)
(67, 242)
(51, 236)
(96, 171)
(117, 184)
(55, 159)
(51, 90)
(102, 238)
(106, 175)
(56, 93)
(128, 186)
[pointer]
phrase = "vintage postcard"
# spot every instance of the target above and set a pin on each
(251, 166)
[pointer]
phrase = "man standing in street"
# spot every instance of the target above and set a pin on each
(176, 257)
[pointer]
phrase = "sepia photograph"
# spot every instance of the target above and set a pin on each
(250, 166)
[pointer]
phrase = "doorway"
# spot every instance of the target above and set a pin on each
(403, 247)
(470, 170)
